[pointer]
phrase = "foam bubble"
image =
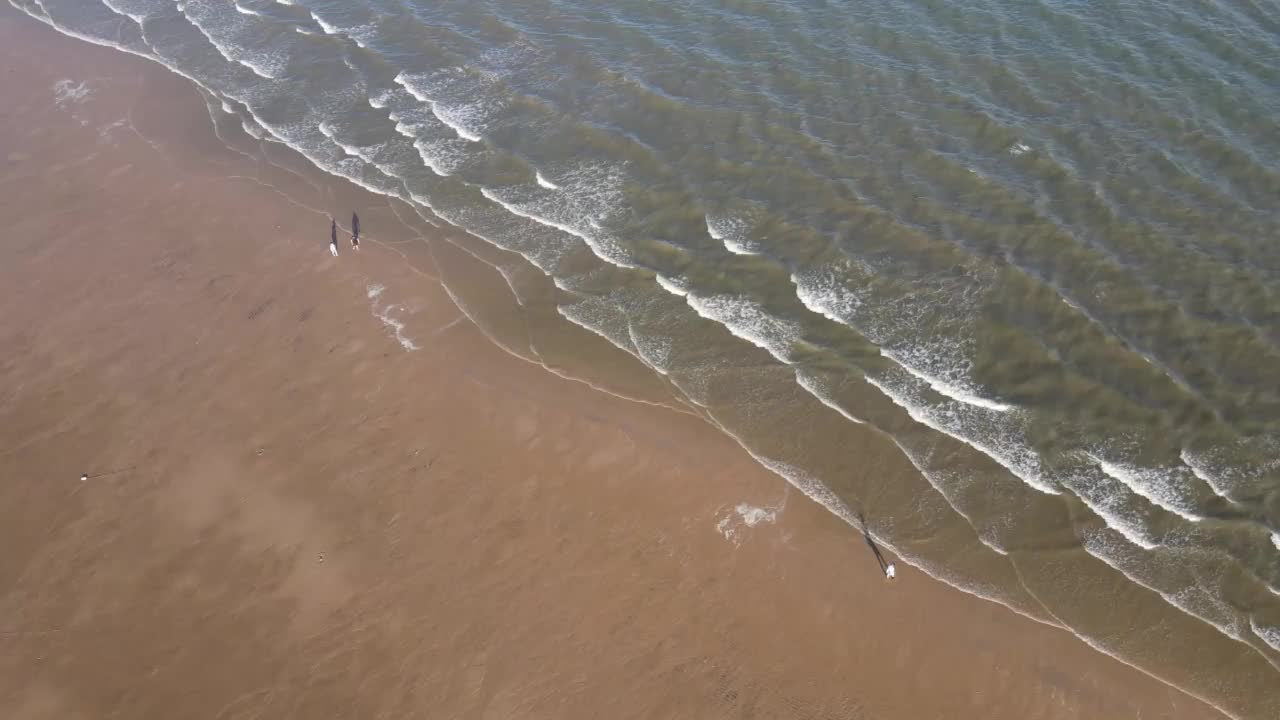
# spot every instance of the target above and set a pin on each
(1192, 599)
(1103, 505)
(357, 34)
(69, 91)
(465, 119)
(364, 154)
(119, 10)
(1268, 635)
(266, 67)
(747, 516)
(1163, 488)
(813, 389)
(571, 212)
(374, 292)
(942, 387)
(454, 117)
(988, 426)
(731, 232)
(328, 28)
(670, 286)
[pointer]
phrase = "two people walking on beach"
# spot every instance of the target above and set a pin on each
(333, 234)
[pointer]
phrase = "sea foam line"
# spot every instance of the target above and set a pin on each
(375, 291)
(445, 115)
(139, 19)
(597, 248)
(1176, 601)
(1031, 477)
(263, 73)
(1138, 482)
(721, 230)
(949, 390)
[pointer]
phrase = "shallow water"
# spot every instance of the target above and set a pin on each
(1031, 244)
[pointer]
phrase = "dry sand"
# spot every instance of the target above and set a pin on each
(311, 521)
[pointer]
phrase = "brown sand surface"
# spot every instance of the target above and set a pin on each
(293, 516)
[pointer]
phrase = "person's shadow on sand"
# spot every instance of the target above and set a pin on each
(875, 549)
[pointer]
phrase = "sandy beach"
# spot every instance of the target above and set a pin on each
(317, 490)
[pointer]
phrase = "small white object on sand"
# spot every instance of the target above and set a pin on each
(333, 249)
(84, 477)
(890, 571)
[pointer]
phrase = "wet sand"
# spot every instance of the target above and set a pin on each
(292, 514)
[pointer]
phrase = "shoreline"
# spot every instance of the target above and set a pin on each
(314, 360)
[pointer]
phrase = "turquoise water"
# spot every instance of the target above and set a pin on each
(1035, 245)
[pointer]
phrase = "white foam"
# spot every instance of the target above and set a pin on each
(247, 11)
(654, 352)
(1020, 460)
(545, 182)
(942, 387)
(985, 425)
(818, 492)
(236, 55)
(374, 292)
(351, 150)
(1019, 149)
(748, 516)
(405, 129)
(397, 327)
(944, 487)
(597, 246)
(1154, 485)
(69, 91)
(455, 117)
(1201, 469)
(813, 389)
(436, 157)
(1275, 539)
(328, 28)
(744, 320)
(730, 232)
(1129, 530)
(1268, 635)
(1236, 469)
(830, 305)
(1194, 601)
(670, 286)
(114, 7)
